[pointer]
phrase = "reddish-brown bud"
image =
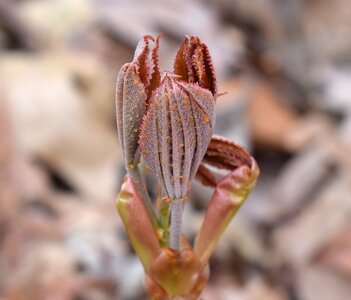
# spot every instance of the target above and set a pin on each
(176, 132)
(194, 64)
(180, 119)
(135, 83)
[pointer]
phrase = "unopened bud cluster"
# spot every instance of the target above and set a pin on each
(166, 120)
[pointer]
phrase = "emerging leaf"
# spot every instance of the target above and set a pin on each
(137, 223)
(230, 193)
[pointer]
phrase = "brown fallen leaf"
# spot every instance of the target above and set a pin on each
(270, 121)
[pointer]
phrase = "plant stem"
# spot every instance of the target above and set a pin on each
(134, 173)
(176, 224)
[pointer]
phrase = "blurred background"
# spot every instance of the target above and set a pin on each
(285, 66)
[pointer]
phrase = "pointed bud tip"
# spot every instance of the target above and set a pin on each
(193, 63)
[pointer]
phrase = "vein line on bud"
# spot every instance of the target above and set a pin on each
(177, 140)
(165, 135)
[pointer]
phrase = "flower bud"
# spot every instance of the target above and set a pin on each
(176, 132)
(179, 123)
(135, 83)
